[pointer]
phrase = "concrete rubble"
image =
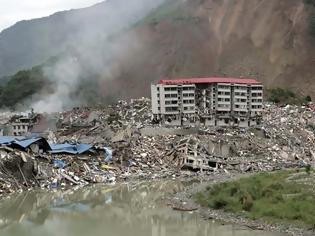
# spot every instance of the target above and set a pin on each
(119, 142)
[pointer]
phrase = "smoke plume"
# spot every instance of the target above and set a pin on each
(91, 50)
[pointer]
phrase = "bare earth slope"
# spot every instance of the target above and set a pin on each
(264, 39)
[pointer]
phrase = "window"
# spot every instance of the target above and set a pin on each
(188, 88)
(170, 109)
(170, 102)
(188, 95)
(170, 95)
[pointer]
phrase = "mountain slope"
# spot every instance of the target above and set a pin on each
(29, 43)
(272, 41)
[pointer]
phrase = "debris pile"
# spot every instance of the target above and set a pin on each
(101, 145)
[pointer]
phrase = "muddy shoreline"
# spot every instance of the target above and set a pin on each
(184, 201)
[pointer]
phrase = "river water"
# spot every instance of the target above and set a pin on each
(128, 209)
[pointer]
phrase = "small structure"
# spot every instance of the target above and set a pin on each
(21, 124)
(208, 101)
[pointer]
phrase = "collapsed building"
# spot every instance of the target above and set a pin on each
(119, 142)
(208, 101)
(22, 124)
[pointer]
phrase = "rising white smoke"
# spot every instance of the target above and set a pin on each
(65, 75)
(91, 49)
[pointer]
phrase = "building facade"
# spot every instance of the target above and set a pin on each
(22, 125)
(208, 101)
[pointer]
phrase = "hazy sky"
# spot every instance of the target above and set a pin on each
(12, 11)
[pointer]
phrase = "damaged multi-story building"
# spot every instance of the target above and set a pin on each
(208, 101)
(22, 124)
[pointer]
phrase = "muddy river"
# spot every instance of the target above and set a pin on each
(128, 209)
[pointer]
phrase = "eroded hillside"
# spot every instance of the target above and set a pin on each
(267, 40)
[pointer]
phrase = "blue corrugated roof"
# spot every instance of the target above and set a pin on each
(69, 148)
(27, 142)
(21, 141)
(6, 139)
(60, 146)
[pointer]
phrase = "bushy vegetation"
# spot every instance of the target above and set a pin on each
(267, 196)
(286, 96)
(170, 10)
(280, 95)
(22, 86)
(311, 4)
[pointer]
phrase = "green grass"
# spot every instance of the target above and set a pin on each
(172, 10)
(284, 197)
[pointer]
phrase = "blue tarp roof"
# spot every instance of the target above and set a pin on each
(6, 139)
(19, 140)
(70, 148)
(22, 142)
(27, 142)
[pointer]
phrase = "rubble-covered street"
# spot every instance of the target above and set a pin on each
(117, 143)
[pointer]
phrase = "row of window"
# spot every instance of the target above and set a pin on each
(170, 89)
(224, 93)
(189, 101)
(241, 106)
(224, 100)
(170, 95)
(223, 105)
(171, 102)
(240, 94)
(240, 87)
(19, 127)
(257, 100)
(240, 100)
(169, 109)
(188, 88)
(172, 109)
(177, 88)
(256, 88)
(224, 87)
(257, 95)
(188, 95)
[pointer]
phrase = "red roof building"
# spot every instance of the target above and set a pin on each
(211, 80)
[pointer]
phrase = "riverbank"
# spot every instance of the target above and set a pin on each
(110, 209)
(280, 198)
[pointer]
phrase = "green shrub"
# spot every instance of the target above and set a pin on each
(280, 95)
(307, 99)
(267, 196)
